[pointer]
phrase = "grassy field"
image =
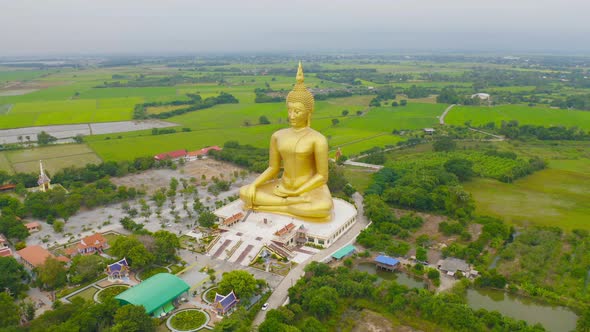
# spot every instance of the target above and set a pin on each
(552, 197)
(542, 116)
(359, 177)
(54, 158)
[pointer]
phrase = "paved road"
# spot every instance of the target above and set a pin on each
(359, 164)
(280, 294)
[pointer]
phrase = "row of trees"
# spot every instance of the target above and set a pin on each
(57, 203)
(79, 315)
(195, 103)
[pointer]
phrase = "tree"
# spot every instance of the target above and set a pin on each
(335, 122)
(166, 245)
(13, 276)
(58, 226)
(241, 282)
(86, 268)
(132, 318)
(207, 219)
(403, 102)
(263, 120)
(336, 179)
(12, 227)
(421, 254)
(462, 168)
(345, 112)
(584, 321)
(322, 302)
(444, 144)
(131, 248)
(447, 95)
(10, 311)
(52, 274)
(44, 138)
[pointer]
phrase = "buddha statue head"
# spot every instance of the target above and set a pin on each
(300, 98)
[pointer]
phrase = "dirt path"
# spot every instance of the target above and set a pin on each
(442, 117)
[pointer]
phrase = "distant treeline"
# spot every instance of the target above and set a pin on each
(513, 130)
(142, 81)
(254, 159)
(195, 103)
(269, 95)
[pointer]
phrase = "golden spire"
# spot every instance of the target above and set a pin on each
(300, 93)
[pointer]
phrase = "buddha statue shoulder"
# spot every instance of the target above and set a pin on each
(302, 154)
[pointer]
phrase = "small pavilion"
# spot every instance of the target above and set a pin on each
(344, 252)
(223, 304)
(387, 263)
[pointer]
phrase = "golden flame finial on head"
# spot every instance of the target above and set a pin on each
(300, 93)
(299, 76)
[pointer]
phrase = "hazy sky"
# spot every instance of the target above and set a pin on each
(40, 27)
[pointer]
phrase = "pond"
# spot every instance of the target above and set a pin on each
(399, 277)
(553, 318)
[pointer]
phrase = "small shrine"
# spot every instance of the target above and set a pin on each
(223, 304)
(118, 271)
(44, 181)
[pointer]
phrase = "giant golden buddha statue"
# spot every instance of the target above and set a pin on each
(302, 153)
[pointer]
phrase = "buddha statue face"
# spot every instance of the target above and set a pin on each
(298, 115)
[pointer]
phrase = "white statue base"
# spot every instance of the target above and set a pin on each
(265, 227)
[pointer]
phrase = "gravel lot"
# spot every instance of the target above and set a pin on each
(87, 222)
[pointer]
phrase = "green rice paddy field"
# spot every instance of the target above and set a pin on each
(541, 116)
(54, 158)
(550, 197)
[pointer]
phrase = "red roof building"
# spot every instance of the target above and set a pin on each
(35, 256)
(171, 155)
(5, 251)
(33, 227)
(89, 245)
(193, 155)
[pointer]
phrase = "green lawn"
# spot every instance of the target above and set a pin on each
(551, 197)
(87, 294)
(542, 116)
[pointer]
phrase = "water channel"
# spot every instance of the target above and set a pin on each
(399, 277)
(553, 318)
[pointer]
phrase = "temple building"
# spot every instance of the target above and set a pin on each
(118, 270)
(223, 304)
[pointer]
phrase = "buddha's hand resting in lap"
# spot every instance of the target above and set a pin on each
(281, 191)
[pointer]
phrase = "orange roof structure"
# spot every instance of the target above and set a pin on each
(170, 155)
(203, 151)
(32, 225)
(236, 217)
(95, 240)
(285, 229)
(34, 255)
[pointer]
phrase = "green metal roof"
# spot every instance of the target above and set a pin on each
(344, 251)
(154, 292)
